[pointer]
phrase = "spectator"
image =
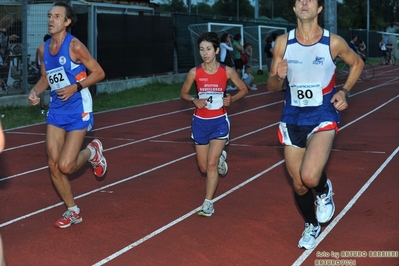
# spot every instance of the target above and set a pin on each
(5, 24)
(269, 52)
(225, 56)
(248, 53)
(362, 50)
(238, 49)
(37, 61)
(249, 79)
(389, 47)
(383, 50)
(352, 43)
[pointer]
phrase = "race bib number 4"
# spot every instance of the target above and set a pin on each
(57, 78)
(214, 100)
(306, 95)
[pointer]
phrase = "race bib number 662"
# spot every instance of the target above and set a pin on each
(57, 78)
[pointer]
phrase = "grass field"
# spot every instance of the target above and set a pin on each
(17, 116)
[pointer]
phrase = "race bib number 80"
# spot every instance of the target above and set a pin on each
(57, 78)
(306, 95)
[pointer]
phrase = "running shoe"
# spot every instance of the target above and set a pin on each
(309, 235)
(207, 209)
(68, 218)
(325, 205)
(254, 88)
(222, 166)
(98, 162)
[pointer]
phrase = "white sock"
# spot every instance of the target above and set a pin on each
(207, 200)
(93, 152)
(75, 209)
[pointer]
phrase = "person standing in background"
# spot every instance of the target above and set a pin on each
(210, 126)
(238, 49)
(225, 56)
(64, 60)
(383, 51)
(247, 75)
(269, 52)
(5, 24)
(37, 62)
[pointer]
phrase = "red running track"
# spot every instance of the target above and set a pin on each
(144, 211)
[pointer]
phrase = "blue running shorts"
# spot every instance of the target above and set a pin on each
(204, 130)
(71, 122)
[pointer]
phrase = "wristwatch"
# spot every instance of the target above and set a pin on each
(347, 93)
(192, 99)
(79, 86)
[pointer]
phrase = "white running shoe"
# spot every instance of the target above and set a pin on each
(222, 166)
(230, 88)
(325, 205)
(309, 235)
(207, 209)
(254, 88)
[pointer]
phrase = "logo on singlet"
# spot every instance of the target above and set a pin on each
(62, 60)
(318, 61)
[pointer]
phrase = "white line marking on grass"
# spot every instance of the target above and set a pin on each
(180, 219)
(348, 206)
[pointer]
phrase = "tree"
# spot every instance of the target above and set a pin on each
(174, 6)
(229, 8)
(202, 8)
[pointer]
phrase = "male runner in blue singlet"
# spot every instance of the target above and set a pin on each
(64, 62)
(305, 56)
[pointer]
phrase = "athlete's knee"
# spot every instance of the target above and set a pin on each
(310, 179)
(66, 167)
(300, 188)
(202, 167)
(211, 165)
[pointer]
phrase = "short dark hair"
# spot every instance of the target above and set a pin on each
(224, 36)
(211, 37)
(69, 13)
(237, 37)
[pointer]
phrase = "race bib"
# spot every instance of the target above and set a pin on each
(214, 100)
(57, 78)
(306, 95)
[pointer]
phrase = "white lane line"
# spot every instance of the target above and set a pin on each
(178, 220)
(160, 230)
(96, 190)
(132, 142)
(348, 206)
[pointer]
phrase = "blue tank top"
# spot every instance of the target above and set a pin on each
(311, 82)
(61, 71)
